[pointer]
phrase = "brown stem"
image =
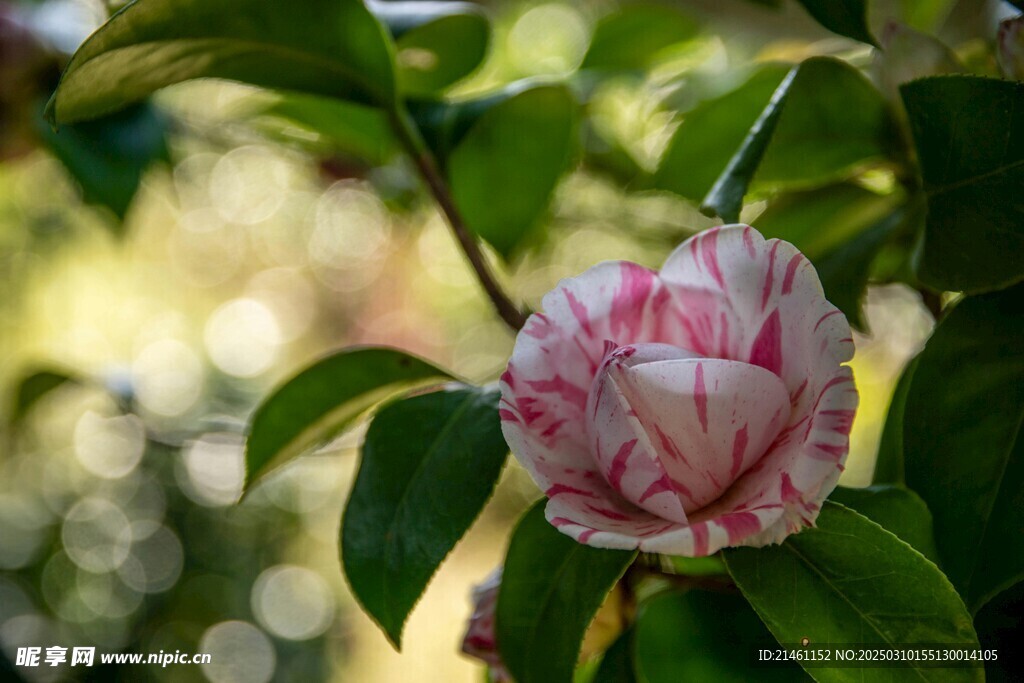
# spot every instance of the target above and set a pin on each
(412, 141)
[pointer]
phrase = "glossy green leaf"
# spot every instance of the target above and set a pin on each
(533, 133)
(704, 636)
(550, 591)
(438, 43)
(108, 156)
(844, 271)
(820, 220)
(846, 17)
(632, 37)
(835, 124)
(33, 387)
(324, 47)
(974, 233)
(897, 510)
(725, 198)
(848, 580)
(823, 123)
(429, 463)
(315, 405)
(889, 464)
(618, 665)
(708, 136)
(331, 126)
(962, 441)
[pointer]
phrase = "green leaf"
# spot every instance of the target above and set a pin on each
(33, 387)
(703, 636)
(897, 510)
(846, 17)
(341, 128)
(108, 156)
(823, 123)
(550, 591)
(962, 441)
(844, 271)
(835, 124)
(318, 403)
(704, 142)
(889, 464)
(323, 47)
(533, 132)
(618, 664)
(850, 581)
(632, 37)
(429, 463)
(821, 220)
(974, 233)
(438, 43)
(725, 198)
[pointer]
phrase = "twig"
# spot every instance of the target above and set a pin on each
(410, 138)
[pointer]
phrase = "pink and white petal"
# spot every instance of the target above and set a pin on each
(709, 419)
(707, 536)
(558, 351)
(801, 469)
(567, 466)
(616, 526)
(622, 448)
(767, 295)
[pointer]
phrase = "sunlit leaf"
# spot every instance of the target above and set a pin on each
(708, 136)
(531, 128)
(824, 122)
(323, 47)
(330, 126)
(318, 403)
(632, 37)
(438, 43)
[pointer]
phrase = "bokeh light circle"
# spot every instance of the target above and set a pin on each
(239, 653)
(293, 602)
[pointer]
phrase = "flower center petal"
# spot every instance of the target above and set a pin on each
(621, 447)
(709, 420)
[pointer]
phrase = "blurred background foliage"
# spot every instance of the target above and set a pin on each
(164, 267)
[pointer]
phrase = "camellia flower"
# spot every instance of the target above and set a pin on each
(480, 640)
(686, 410)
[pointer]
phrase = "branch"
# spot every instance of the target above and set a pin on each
(410, 138)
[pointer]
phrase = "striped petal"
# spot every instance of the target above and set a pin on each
(556, 356)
